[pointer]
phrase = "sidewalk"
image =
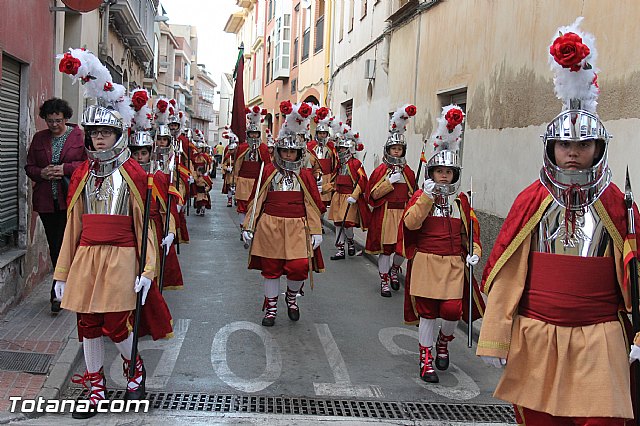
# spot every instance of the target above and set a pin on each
(31, 328)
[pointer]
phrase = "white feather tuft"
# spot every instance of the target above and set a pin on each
(442, 138)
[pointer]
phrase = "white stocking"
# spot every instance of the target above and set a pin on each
(349, 233)
(425, 331)
(384, 263)
(125, 346)
(93, 353)
(448, 327)
(397, 259)
(241, 216)
(271, 287)
(294, 285)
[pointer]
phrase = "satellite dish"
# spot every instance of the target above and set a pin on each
(83, 5)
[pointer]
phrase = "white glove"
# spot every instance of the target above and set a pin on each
(472, 260)
(206, 174)
(142, 283)
(247, 236)
(229, 169)
(396, 177)
(58, 288)
(316, 240)
(167, 241)
(634, 355)
(178, 207)
(494, 361)
(351, 200)
(191, 179)
(427, 187)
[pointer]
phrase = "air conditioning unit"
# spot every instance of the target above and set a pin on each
(370, 69)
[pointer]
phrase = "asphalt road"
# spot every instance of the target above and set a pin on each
(350, 343)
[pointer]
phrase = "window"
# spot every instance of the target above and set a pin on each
(270, 11)
(363, 8)
(319, 34)
(351, 13)
(294, 85)
(281, 46)
(341, 21)
(9, 149)
(347, 109)
(305, 44)
(295, 52)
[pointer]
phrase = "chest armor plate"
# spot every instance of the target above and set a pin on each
(446, 207)
(285, 181)
(108, 195)
(586, 236)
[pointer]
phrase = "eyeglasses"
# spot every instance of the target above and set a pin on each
(55, 121)
(104, 132)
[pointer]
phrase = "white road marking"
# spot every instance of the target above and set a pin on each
(342, 385)
(273, 368)
(158, 379)
(386, 336)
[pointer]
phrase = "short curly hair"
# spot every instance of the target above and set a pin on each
(55, 106)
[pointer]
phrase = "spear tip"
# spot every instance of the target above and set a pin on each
(628, 194)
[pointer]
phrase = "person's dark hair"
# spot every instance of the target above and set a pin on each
(54, 106)
(88, 142)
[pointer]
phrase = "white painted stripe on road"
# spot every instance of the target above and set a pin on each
(273, 368)
(387, 334)
(158, 379)
(342, 385)
(465, 389)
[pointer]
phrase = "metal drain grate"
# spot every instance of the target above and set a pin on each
(225, 403)
(28, 362)
(461, 412)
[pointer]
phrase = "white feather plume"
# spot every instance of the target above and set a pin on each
(399, 120)
(442, 138)
(577, 84)
(159, 116)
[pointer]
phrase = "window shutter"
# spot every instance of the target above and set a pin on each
(9, 144)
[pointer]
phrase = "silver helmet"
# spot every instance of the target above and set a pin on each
(163, 130)
(253, 128)
(445, 158)
(174, 119)
(322, 127)
(343, 142)
(141, 138)
(395, 139)
(98, 116)
(290, 140)
(575, 189)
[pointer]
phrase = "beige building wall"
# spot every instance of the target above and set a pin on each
(311, 71)
(497, 52)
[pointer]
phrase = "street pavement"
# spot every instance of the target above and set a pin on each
(350, 343)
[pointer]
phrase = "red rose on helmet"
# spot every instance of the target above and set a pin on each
(256, 109)
(108, 87)
(411, 110)
(162, 105)
(454, 117)
(322, 113)
(568, 51)
(171, 111)
(139, 99)
(69, 64)
(286, 107)
(172, 102)
(305, 110)
(359, 147)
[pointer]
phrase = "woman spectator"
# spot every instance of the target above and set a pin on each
(53, 156)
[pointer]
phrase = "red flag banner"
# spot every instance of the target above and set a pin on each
(238, 115)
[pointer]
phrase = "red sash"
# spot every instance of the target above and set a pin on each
(107, 230)
(249, 169)
(325, 165)
(397, 199)
(441, 236)
(570, 291)
(289, 204)
(344, 184)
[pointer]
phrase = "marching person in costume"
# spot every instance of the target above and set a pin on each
(97, 272)
(202, 182)
(389, 188)
(556, 279)
(283, 226)
(228, 184)
(348, 185)
(434, 237)
(251, 154)
(271, 143)
(323, 159)
(142, 150)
